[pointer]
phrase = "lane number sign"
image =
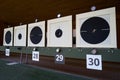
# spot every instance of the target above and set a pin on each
(59, 58)
(94, 62)
(35, 55)
(7, 52)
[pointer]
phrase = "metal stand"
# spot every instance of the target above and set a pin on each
(19, 48)
(21, 58)
(26, 58)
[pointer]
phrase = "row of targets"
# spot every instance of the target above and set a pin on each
(93, 29)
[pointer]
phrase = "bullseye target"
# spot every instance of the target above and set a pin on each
(8, 37)
(60, 32)
(36, 34)
(96, 29)
(20, 35)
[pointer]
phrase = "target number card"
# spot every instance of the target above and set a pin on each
(35, 55)
(7, 52)
(94, 62)
(59, 59)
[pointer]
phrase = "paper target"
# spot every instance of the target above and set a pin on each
(20, 35)
(96, 29)
(36, 34)
(60, 32)
(8, 37)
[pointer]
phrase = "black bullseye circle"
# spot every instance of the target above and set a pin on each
(58, 33)
(95, 30)
(8, 37)
(36, 35)
(19, 36)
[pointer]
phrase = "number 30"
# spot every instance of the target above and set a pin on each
(95, 61)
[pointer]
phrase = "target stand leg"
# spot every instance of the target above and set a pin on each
(26, 58)
(21, 58)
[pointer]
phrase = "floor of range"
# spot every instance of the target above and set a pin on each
(74, 66)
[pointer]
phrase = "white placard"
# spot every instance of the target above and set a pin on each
(108, 15)
(59, 32)
(7, 52)
(10, 42)
(94, 62)
(31, 26)
(20, 35)
(35, 55)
